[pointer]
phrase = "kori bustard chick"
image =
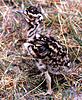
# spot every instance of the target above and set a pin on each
(49, 55)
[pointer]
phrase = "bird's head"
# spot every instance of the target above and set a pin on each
(32, 14)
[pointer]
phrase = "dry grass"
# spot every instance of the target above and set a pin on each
(18, 74)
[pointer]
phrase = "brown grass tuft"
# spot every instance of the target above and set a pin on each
(18, 74)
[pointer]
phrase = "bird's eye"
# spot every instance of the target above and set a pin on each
(39, 17)
(30, 16)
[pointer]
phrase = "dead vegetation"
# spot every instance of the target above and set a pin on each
(19, 78)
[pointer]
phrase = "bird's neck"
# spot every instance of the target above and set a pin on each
(32, 30)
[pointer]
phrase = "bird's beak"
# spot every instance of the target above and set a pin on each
(20, 11)
(23, 13)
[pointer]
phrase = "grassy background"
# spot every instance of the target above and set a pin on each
(19, 78)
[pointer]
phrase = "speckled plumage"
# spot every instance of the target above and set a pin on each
(48, 53)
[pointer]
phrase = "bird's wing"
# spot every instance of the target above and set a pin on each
(49, 50)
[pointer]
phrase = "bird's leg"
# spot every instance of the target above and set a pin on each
(48, 80)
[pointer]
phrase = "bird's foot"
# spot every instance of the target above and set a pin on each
(49, 92)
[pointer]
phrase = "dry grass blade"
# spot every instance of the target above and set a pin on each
(18, 74)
